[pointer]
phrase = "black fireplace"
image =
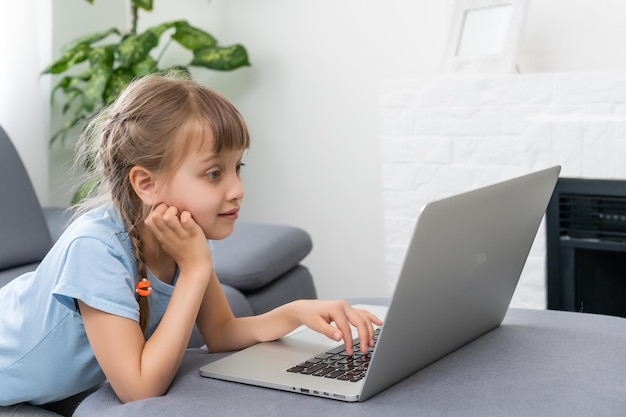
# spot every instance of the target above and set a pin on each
(586, 246)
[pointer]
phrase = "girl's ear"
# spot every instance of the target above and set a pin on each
(143, 182)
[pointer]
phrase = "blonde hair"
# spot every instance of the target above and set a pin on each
(152, 124)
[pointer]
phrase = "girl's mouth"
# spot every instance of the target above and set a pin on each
(231, 215)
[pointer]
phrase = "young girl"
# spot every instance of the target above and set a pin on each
(118, 295)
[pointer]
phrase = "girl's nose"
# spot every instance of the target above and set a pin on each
(235, 188)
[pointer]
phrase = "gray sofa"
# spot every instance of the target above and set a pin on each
(258, 265)
(538, 363)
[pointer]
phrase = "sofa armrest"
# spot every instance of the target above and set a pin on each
(258, 253)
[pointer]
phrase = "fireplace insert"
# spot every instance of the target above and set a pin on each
(586, 246)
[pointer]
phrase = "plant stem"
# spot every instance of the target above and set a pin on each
(163, 50)
(134, 17)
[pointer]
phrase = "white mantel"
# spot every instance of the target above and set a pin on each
(453, 133)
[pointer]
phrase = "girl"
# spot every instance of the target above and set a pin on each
(117, 296)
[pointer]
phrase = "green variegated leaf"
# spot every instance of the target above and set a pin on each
(143, 4)
(120, 78)
(221, 59)
(70, 96)
(158, 30)
(76, 82)
(62, 85)
(90, 38)
(191, 37)
(85, 190)
(136, 48)
(94, 89)
(60, 134)
(77, 118)
(69, 85)
(79, 80)
(70, 58)
(145, 67)
(102, 55)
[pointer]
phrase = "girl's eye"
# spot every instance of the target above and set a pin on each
(239, 166)
(213, 175)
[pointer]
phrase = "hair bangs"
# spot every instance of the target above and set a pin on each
(228, 125)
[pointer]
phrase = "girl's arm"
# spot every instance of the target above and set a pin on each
(136, 368)
(223, 332)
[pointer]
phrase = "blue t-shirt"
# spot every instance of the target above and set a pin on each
(44, 352)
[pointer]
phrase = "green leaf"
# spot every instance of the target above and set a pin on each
(159, 29)
(136, 48)
(68, 84)
(70, 58)
(221, 58)
(143, 4)
(94, 90)
(120, 78)
(86, 190)
(102, 55)
(72, 122)
(145, 67)
(63, 84)
(90, 38)
(70, 96)
(58, 135)
(191, 37)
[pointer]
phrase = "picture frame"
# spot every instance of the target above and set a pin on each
(484, 36)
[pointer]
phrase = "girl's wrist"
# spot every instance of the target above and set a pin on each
(196, 272)
(294, 312)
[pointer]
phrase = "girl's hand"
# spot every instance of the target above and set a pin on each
(318, 315)
(180, 236)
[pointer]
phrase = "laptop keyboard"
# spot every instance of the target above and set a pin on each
(337, 364)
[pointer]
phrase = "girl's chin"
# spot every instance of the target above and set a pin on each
(219, 233)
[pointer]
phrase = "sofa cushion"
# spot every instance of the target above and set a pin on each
(7, 275)
(295, 284)
(259, 253)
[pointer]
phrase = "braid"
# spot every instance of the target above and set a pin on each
(144, 306)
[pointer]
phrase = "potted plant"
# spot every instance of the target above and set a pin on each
(98, 66)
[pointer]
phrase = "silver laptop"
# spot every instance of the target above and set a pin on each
(460, 271)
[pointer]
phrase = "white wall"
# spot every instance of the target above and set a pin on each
(311, 99)
(24, 110)
(495, 127)
(576, 35)
(312, 105)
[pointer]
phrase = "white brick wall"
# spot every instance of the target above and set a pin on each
(454, 133)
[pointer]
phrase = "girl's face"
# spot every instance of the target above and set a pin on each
(208, 185)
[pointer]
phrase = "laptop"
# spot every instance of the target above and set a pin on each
(459, 274)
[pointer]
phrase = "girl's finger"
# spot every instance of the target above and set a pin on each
(171, 215)
(364, 328)
(342, 323)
